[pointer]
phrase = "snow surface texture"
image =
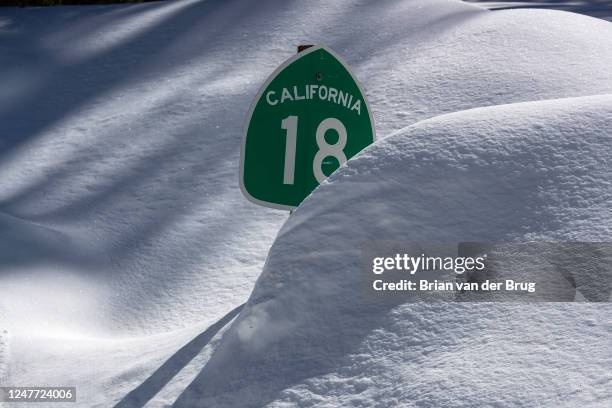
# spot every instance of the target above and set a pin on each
(124, 236)
(531, 171)
(3, 356)
(595, 8)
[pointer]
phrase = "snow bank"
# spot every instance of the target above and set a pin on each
(121, 129)
(128, 141)
(528, 171)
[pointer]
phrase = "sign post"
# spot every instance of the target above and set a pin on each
(308, 118)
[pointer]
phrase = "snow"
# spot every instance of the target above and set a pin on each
(124, 236)
(534, 171)
(595, 8)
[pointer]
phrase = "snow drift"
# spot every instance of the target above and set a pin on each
(530, 171)
(121, 132)
(128, 140)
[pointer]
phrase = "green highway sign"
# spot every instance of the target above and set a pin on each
(309, 118)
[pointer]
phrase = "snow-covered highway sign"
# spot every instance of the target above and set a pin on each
(308, 118)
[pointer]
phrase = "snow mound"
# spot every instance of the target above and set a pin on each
(520, 172)
(119, 154)
(133, 147)
(468, 59)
